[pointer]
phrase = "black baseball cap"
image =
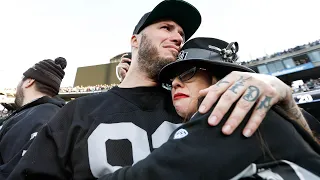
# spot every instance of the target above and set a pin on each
(179, 11)
(215, 55)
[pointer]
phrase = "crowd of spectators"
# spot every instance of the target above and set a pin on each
(4, 112)
(76, 89)
(310, 85)
(82, 89)
(291, 50)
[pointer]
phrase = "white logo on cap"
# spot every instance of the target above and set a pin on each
(181, 133)
(182, 55)
(214, 47)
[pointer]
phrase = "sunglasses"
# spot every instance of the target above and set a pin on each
(183, 77)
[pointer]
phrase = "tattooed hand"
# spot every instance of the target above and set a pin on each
(251, 88)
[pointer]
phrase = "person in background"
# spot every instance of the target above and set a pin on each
(36, 102)
(123, 67)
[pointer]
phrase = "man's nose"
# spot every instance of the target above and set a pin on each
(177, 39)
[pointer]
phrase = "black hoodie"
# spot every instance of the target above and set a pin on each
(21, 127)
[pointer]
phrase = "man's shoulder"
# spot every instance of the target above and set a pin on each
(48, 106)
(44, 109)
(82, 108)
(93, 99)
(93, 102)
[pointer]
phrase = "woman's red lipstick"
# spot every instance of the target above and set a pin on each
(179, 96)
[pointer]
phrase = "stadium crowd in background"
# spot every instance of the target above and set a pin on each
(77, 89)
(85, 89)
(290, 50)
(309, 85)
(3, 112)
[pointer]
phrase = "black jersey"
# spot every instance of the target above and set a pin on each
(96, 135)
(279, 150)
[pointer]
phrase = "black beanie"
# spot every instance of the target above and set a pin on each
(48, 72)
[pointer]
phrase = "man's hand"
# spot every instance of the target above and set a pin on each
(123, 67)
(251, 88)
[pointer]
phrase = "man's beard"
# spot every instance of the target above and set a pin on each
(149, 60)
(19, 96)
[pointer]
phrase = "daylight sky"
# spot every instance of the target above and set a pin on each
(90, 32)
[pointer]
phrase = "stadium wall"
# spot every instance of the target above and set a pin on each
(95, 75)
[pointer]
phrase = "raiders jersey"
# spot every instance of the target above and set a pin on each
(280, 150)
(98, 134)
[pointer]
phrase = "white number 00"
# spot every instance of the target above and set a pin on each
(138, 137)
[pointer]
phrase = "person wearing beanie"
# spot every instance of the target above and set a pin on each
(36, 105)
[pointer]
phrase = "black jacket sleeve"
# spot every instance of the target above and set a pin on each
(46, 158)
(198, 151)
(27, 131)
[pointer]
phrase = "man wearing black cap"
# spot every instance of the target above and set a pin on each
(36, 106)
(98, 134)
(273, 90)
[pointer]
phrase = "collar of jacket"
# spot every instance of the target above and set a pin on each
(42, 100)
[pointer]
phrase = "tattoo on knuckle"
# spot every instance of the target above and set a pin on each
(235, 87)
(265, 103)
(239, 83)
(248, 78)
(252, 94)
(222, 81)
